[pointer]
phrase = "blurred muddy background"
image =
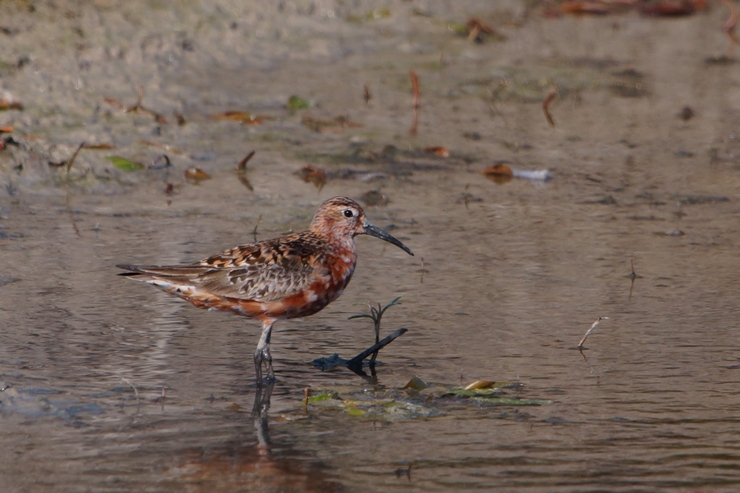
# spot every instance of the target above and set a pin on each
(618, 123)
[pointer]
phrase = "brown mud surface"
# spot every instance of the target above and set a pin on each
(644, 160)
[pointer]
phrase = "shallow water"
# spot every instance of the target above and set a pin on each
(512, 274)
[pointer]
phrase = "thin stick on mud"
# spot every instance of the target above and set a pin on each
(243, 163)
(415, 87)
(74, 156)
(546, 106)
(241, 174)
(357, 360)
(254, 232)
(593, 326)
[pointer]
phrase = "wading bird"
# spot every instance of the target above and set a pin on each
(292, 276)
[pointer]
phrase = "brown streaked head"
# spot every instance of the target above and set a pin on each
(342, 216)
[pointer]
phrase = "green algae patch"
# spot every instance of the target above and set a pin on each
(125, 164)
(418, 399)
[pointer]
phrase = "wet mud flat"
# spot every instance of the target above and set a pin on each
(112, 386)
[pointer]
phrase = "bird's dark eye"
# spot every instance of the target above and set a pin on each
(348, 213)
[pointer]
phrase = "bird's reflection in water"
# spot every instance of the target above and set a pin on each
(255, 467)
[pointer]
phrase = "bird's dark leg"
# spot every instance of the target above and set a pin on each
(262, 354)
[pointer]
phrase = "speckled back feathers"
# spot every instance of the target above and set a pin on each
(291, 276)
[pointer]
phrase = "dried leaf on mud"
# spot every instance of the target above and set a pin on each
(240, 116)
(8, 104)
(99, 147)
(501, 173)
(196, 175)
(480, 384)
(475, 30)
(673, 8)
(438, 151)
(580, 8)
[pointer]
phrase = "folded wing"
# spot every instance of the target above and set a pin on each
(261, 272)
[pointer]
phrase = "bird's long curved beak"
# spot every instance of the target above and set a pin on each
(372, 230)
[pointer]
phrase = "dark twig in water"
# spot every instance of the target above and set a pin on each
(74, 156)
(243, 163)
(404, 472)
(376, 314)
(633, 276)
(546, 106)
(161, 162)
(593, 326)
(415, 87)
(366, 94)
(241, 172)
(356, 362)
(254, 232)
